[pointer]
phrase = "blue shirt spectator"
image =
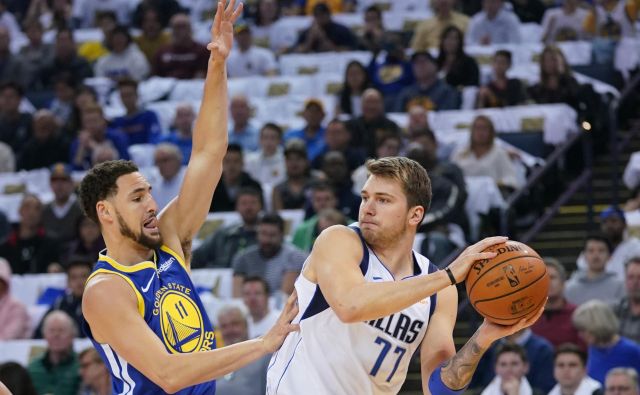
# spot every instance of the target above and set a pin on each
(181, 134)
(241, 131)
(141, 126)
(313, 133)
(392, 73)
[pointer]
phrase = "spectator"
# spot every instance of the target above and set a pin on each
(88, 244)
(338, 138)
(17, 379)
(429, 31)
(103, 153)
(528, 11)
(125, 59)
(368, 129)
(389, 144)
(249, 60)
(233, 178)
(34, 57)
(429, 90)
(164, 8)
(9, 65)
(167, 178)
(291, 193)
(267, 13)
(70, 302)
(459, 68)
(182, 131)
(251, 379)
(372, 36)
(624, 380)
(391, 73)
(510, 372)
(565, 23)
(324, 203)
(336, 171)
(501, 91)
(278, 262)
(594, 282)
(356, 81)
(255, 295)
(54, 15)
(60, 217)
(62, 103)
(15, 126)
(495, 24)
(218, 249)
(599, 328)
(84, 97)
(267, 165)
(242, 131)
(555, 323)
(152, 37)
(628, 308)
(28, 249)
(556, 85)
(93, 134)
(313, 132)
(65, 62)
(56, 370)
(570, 371)
(183, 58)
(325, 35)
(46, 146)
(484, 157)
(86, 13)
(7, 159)
(96, 379)
(13, 314)
(140, 125)
(94, 50)
(612, 19)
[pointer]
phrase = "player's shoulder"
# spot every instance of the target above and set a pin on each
(105, 286)
(337, 234)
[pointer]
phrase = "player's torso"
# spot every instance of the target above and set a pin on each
(168, 301)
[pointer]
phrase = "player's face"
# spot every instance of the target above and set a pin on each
(510, 365)
(255, 297)
(568, 370)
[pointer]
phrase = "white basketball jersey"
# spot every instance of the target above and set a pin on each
(328, 356)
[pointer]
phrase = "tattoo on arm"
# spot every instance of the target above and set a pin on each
(457, 371)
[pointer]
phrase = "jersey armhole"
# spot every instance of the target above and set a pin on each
(175, 255)
(141, 307)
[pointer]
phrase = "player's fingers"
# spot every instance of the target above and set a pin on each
(478, 256)
(293, 328)
(489, 241)
(217, 20)
(237, 13)
(229, 11)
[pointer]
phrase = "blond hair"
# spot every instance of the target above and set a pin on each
(598, 319)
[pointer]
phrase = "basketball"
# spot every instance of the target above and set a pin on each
(509, 287)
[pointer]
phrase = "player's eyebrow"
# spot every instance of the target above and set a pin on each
(383, 194)
(140, 189)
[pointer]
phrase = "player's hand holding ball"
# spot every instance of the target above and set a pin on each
(476, 252)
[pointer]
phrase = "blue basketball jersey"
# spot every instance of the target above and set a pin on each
(168, 302)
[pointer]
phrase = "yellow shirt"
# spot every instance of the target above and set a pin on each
(335, 6)
(428, 32)
(150, 47)
(631, 11)
(92, 50)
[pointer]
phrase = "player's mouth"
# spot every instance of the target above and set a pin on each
(151, 223)
(368, 223)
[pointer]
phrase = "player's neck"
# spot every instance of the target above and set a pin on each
(127, 252)
(397, 257)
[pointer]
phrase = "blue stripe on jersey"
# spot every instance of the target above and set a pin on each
(288, 363)
(364, 263)
(434, 298)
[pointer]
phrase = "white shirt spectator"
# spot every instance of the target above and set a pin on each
(131, 63)
(266, 170)
(503, 29)
(587, 387)
(261, 327)
(84, 11)
(557, 25)
(254, 61)
(631, 175)
(495, 164)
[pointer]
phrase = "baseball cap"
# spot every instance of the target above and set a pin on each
(241, 26)
(314, 102)
(612, 211)
(60, 171)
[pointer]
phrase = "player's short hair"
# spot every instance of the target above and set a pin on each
(413, 178)
(570, 348)
(100, 183)
(258, 279)
(514, 348)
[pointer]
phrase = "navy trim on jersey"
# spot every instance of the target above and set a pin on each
(317, 305)
(434, 298)
(364, 263)
(288, 363)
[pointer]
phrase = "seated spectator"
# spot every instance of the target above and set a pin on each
(564, 23)
(103, 153)
(267, 13)
(56, 370)
(34, 57)
(95, 133)
(84, 97)
(182, 131)
(9, 62)
(166, 181)
(7, 159)
(556, 85)
(628, 308)
(429, 31)
(501, 91)
(321, 197)
(555, 323)
(28, 248)
(325, 35)
(570, 371)
(337, 174)
(60, 217)
(495, 24)
(140, 125)
(65, 62)
(152, 37)
(70, 302)
(247, 59)
(96, 379)
(429, 90)
(273, 259)
(313, 132)
(291, 193)
(106, 21)
(528, 11)
(338, 138)
(484, 157)
(594, 281)
(255, 295)
(308, 231)
(267, 165)
(62, 104)
(599, 328)
(125, 59)
(459, 68)
(241, 130)
(367, 129)
(372, 36)
(392, 72)
(389, 144)
(608, 21)
(88, 244)
(356, 81)
(54, 15)
(623, 380)
(46, 146)
(15, 126)
(232, 180)
(252, 378)
(218, 249)
(13, 314)
(511, 368)
(183, 58)
(164, 8)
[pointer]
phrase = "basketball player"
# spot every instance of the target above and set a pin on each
(367, 301)
(142, 311)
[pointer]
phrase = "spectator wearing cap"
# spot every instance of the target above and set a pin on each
(13, 314)
(139, 124)
(125, 60)
(495, 24)
(241, 129)
(47, 146)
(291, 194)
(15, 126)
(325, 35)
(60, 217)
(313, 132)
(248, 60)
(232, 180)
(428, 90)
(613, 226)
(184, 58)
(628, 309)
(429, 31)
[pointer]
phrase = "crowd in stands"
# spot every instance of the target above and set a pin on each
(84, 81)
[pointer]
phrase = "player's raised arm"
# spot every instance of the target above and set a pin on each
(186, 214)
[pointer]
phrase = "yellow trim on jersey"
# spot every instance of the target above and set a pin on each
(174, 254)
(128, 280)
(129, 269)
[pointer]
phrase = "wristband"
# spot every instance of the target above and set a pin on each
(451, 277)
(437, 387)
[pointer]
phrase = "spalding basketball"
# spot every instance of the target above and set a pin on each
(509, 287)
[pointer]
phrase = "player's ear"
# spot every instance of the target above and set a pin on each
(416, 215)
(104, 211)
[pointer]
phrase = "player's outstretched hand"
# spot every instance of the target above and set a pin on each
(460, 267)
(490, 332)
(276, 335)
(222, 30)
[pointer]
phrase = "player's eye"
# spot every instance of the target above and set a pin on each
(137, 199)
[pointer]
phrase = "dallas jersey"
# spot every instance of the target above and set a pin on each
(328, 356)
(168, 302)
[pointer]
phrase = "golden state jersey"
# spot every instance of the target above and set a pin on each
(168, 302)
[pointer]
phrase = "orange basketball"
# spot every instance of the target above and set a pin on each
(509, 287)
